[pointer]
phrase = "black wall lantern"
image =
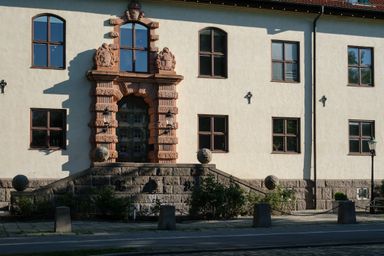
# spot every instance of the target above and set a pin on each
(2, 85)
(106, 119)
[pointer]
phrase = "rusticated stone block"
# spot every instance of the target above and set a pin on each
(289, 183)
(2, 194)
(339, 183)
(6, 183)
(177, 189)
(171, 181)
(129, 171)
(146, 198)
(361, 183)
(184, 179)
(81, 190)
(300, 193)
(181, 172)
(320, 183)
(140, 180)
(101, 180)
(185, 198)
(301, 204)
(132, 190)
(164, 172)
(100, 171)
(255, 182)
(198, 171)
(321, 204)
(147, 172)
(326, 194)
(167, 189)
(85, 180)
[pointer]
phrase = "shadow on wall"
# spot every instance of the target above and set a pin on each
(77, 87)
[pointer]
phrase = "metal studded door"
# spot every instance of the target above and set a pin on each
(132, 131)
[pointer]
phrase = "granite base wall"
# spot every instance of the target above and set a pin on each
(150, 184)
(6, 189)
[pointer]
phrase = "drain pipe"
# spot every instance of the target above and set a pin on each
(314, 105)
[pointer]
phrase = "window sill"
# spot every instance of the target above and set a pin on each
(219, 151)
(46, 149)
(361, 85)
(213, 77)
(358, 154)
(48, 68)
(285, 153)
(285, 81)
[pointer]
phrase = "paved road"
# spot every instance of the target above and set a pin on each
(243, 239)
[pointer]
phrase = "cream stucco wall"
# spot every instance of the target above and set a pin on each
(249, 69)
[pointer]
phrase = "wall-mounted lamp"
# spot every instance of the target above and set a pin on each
(106, 119)
(323, 100)
(169, 116)
(248, 96)
(2, 85)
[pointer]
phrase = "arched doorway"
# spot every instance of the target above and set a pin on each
(132, 131)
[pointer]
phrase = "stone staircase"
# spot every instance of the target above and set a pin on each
(145, 183)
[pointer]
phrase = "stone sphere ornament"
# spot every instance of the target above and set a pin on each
(204, 155)
(101, 154)
(20, 182)
(271, 181)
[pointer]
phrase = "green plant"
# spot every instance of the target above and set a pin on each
(212, 200)
(281, 200)
(27, 207)
(340, 196)
(109, 205)
(251, 200)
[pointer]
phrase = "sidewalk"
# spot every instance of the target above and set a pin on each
(38, 228)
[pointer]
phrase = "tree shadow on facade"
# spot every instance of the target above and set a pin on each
(77, 87)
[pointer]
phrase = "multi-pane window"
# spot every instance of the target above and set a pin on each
(213, 53)
(213, 133)
(285, 61)
(48, 128)
(48, 42)
(286, 135)
(360, 132)
(360, 66)
(134, 48)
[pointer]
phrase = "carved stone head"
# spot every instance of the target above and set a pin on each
(134, 10)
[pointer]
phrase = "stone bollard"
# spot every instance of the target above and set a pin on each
(63, 220)
(167, 219)
(262, 215)
(346, 213)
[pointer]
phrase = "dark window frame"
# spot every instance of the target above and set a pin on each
(286, 135)
(212, 54)
(48, 129)
(360, 67)
(284, 62)
(134, 49)
(212, 132)
(48, 42)
(360, 138)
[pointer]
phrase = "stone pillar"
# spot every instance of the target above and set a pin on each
(346, 213)
(63, 222)
(167, 219)
(262, 215)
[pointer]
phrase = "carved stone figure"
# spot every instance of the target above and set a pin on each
(134, 11)
(204, 156)
(101, 154)
(105, 56)
(166, 60)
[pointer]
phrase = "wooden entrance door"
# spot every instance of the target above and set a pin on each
(132, 131)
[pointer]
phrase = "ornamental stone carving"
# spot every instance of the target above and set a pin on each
(166, 60)
(134, 11)
(101, 154)
(105, 57)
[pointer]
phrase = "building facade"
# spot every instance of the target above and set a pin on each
(282, 88)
